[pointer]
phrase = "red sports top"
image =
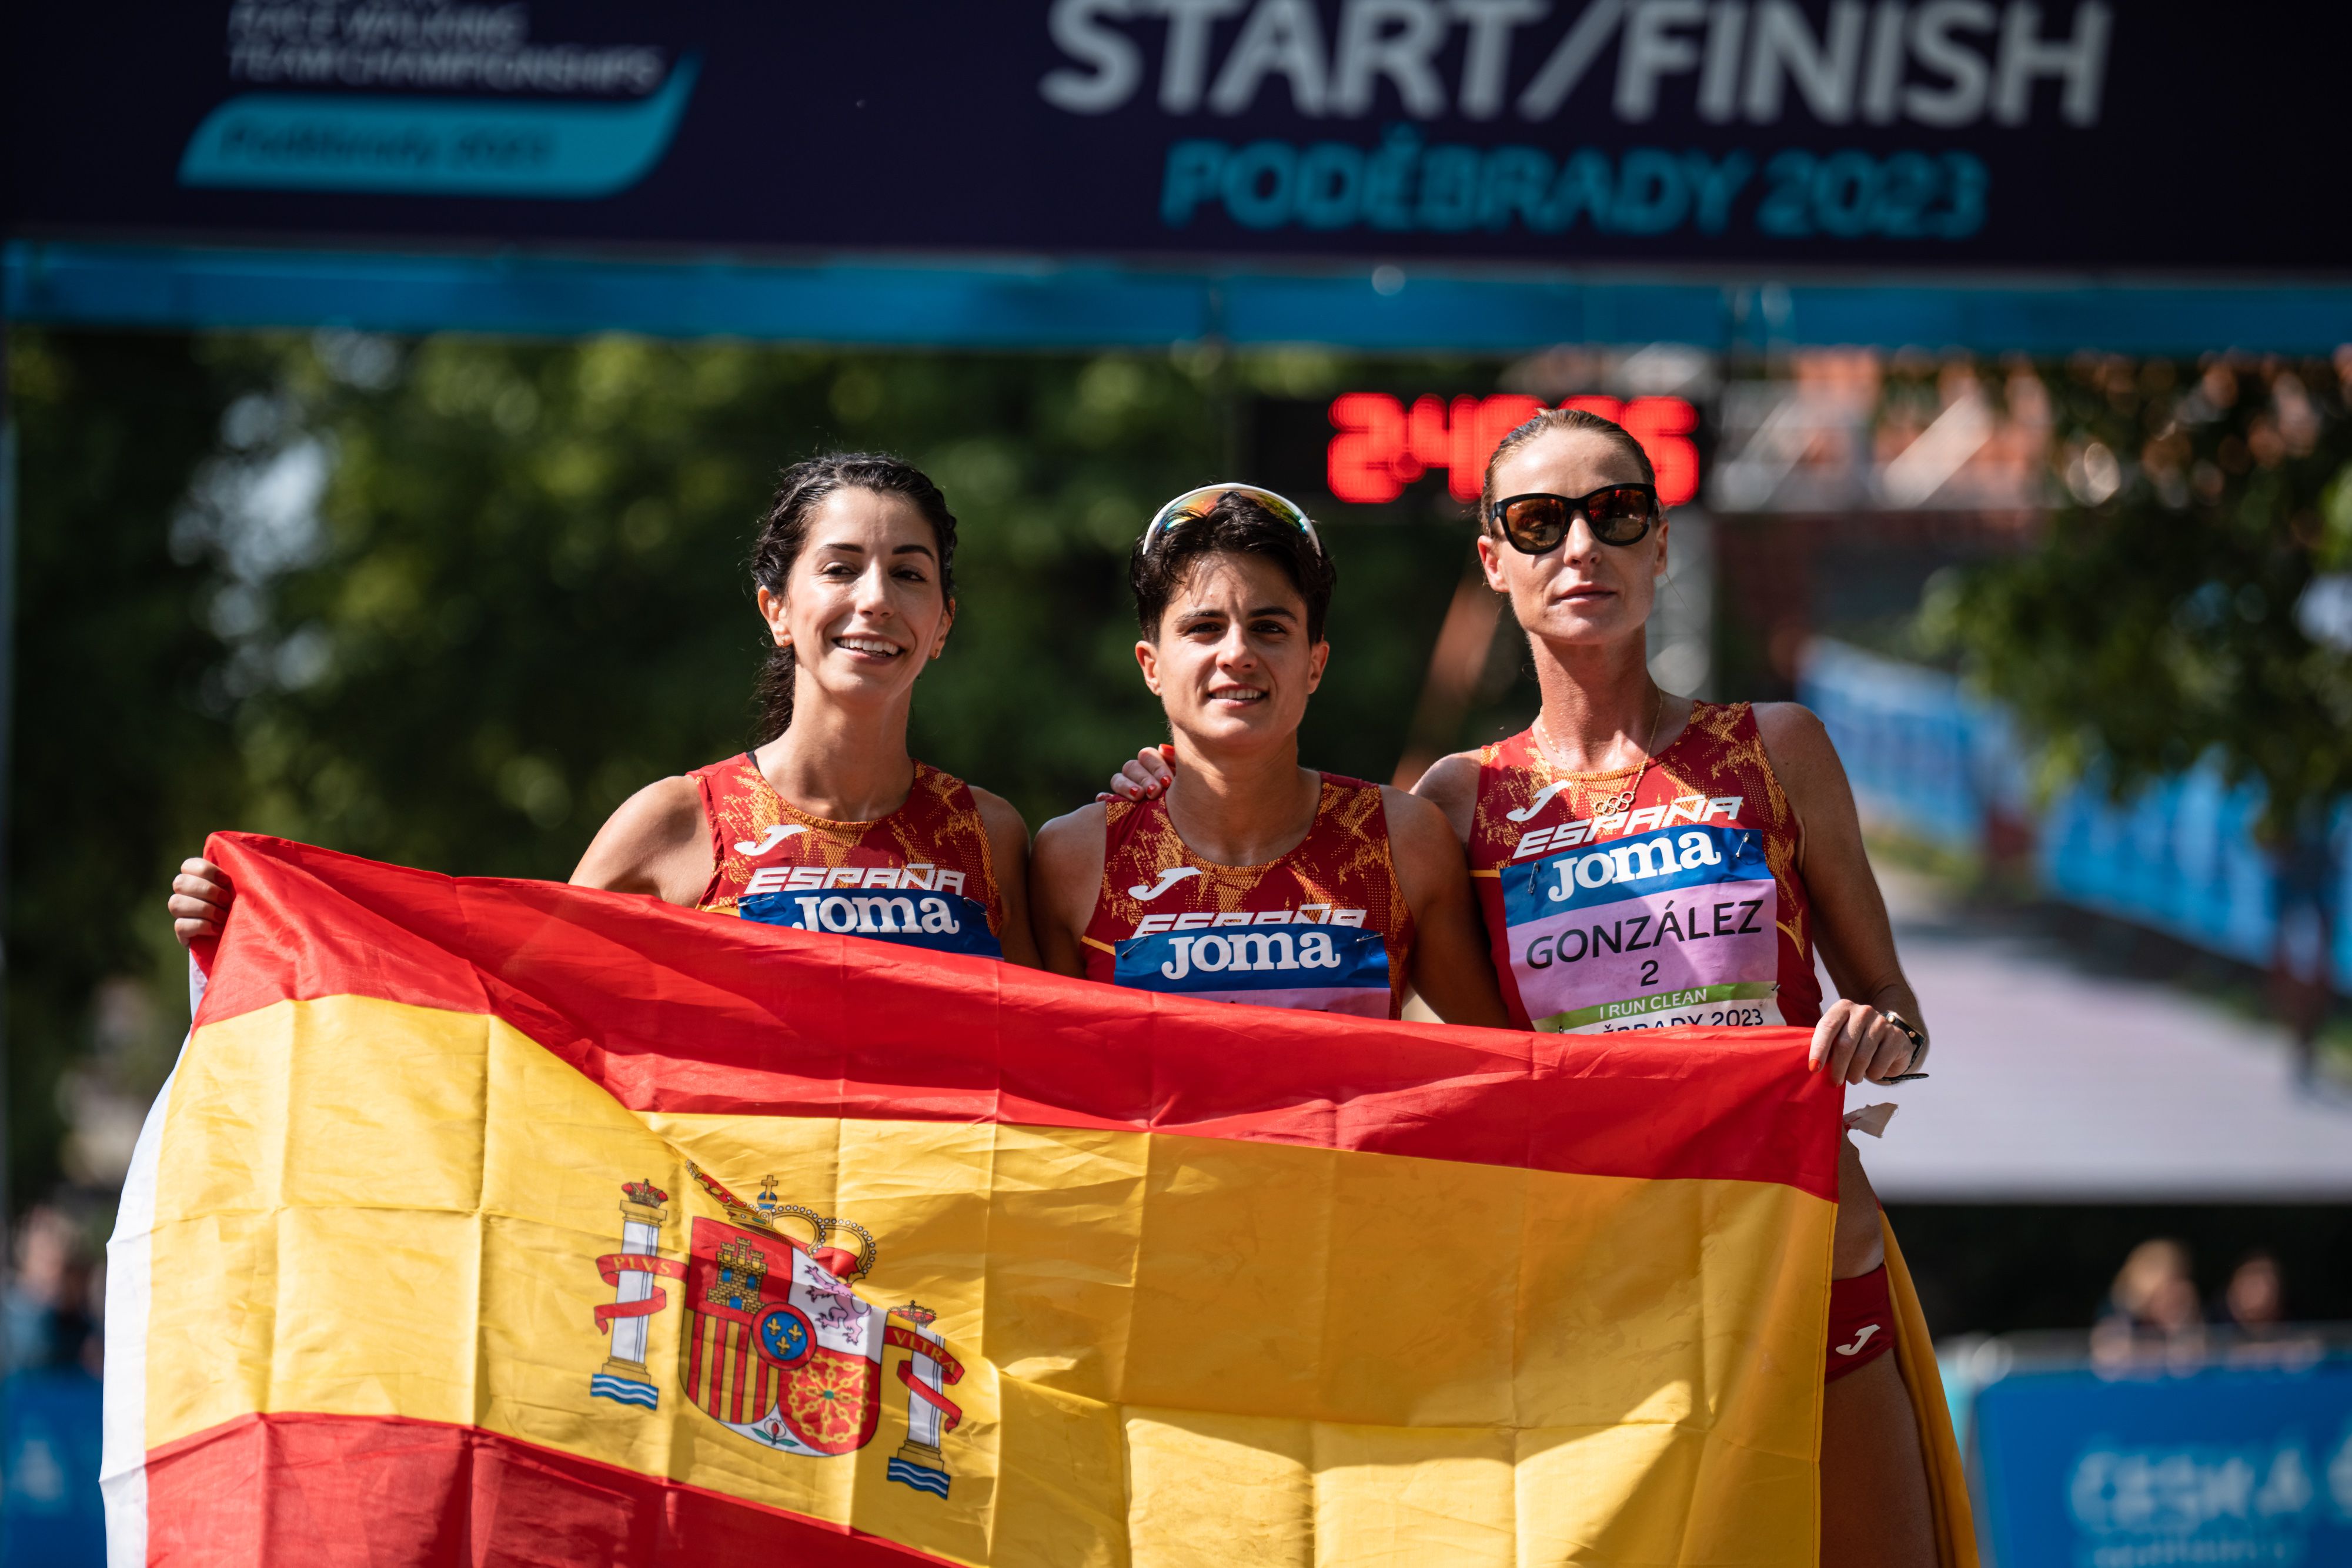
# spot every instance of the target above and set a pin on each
(922, 875)
(1327, 925)
(1685, 908)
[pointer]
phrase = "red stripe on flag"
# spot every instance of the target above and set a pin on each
(739, 1374)
(728, 1017)
(397, 1493)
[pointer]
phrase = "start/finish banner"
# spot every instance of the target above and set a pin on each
(1918, 138)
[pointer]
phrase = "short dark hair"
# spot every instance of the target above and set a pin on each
(1236, 525)
(784, 533)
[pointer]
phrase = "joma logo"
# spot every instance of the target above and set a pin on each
(1633, 862)
(1244, 951)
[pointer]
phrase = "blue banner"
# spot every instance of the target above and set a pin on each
(1993, 135)
(50, 1514)
(2223, 1465)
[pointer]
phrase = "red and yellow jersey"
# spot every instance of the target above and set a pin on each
(922, 875)
(1324, 927)
(1684, 908)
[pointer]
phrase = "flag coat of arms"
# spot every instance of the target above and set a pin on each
(491, 1221)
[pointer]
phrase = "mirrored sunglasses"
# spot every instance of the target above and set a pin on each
(1197, 503)
(1537, 522)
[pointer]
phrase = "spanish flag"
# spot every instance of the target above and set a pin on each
(507, 1222)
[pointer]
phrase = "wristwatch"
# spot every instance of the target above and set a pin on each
(1918, 1049)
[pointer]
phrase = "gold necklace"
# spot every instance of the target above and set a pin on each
(1623, 800)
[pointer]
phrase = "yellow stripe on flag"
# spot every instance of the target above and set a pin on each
(1176, 1350)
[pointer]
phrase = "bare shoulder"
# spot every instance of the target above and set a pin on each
(1417, 823)
(1005, 825)
(1806, 762)
(1064, 877)
(1071, 838)
(655, 841)
(666, 811)
(1451, 786)
(1796, 741)
(1427, 856)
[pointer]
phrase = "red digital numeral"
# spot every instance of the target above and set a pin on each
(1663, 426)
(1362, 465)
(1382, 446)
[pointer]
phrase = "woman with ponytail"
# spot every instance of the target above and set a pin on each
(829, 824)
(1729, 830)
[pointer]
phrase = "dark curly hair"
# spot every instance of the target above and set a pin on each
(784, 533)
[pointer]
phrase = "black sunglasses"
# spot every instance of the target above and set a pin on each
(1536, 523)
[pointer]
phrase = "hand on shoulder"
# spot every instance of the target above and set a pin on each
(1144, 777)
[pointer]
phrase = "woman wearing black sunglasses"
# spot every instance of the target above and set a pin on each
(1731, 845)
(1646, 860)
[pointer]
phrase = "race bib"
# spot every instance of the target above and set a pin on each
(942, 920)
(1652, 931)
(1321, 966)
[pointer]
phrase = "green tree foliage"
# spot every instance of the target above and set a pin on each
(525, 595)
(2157, 623)
(117, 767)
(449, 601)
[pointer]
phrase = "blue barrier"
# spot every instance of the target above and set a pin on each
(2180, 857)
(1934, 762)
(1920, 751)
(49, 1508)
(2224, 1465)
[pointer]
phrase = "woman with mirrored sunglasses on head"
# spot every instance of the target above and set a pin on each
(1253, 879)
(830, 824)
